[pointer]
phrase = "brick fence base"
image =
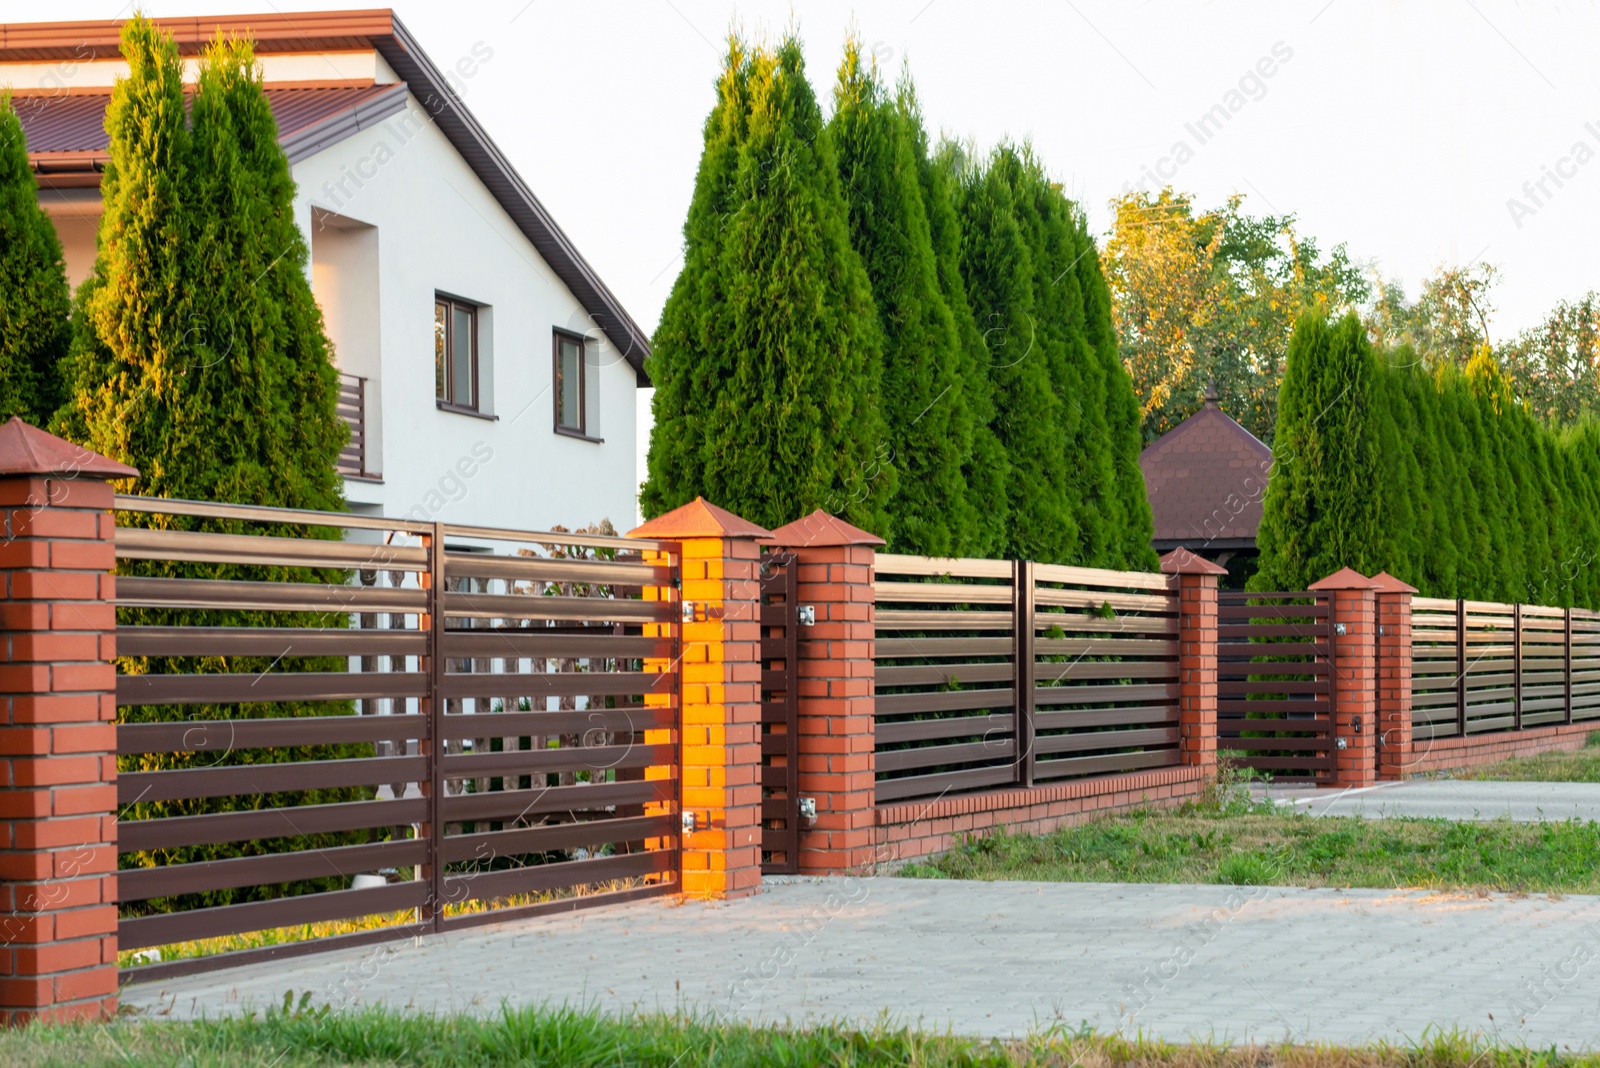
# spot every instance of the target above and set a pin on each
(1475, 750)
(912, 829)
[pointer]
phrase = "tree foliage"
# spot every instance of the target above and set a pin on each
(35, 303)
(928, 424)
(769, 356)
(200, 358)
(1437, 474)
(1212, 296)
(942, 368)
(1555, 366)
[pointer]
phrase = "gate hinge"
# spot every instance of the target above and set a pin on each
(808, 615)
(808, 811)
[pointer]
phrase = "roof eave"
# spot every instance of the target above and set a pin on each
(402, 52)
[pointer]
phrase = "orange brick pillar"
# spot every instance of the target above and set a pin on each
(1395, 756)
(1197, 654)
(837, 673)
(58, 733)
(720, 696)
(1352, 599)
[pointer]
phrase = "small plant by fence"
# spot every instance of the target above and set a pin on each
(1480, 666)
(995, 673)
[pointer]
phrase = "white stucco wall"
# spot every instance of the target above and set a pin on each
(439, 230)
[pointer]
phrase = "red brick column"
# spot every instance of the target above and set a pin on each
(720, 696)
(836, 690)
(1395, 756)
(1197, 654)
(1352, 598)
(58, 734)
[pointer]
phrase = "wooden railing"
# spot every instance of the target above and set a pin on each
(353, 460)
(481, 723)
(1480, 666)
(993, 672)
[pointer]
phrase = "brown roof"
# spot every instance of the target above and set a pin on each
(821, 530)
(27, 450)
(380, 30)
(1205, 478)
(75, 124)
(699, 519)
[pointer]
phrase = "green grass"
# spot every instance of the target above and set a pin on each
(1582, 765)
(301, 1037)
(1228, 838)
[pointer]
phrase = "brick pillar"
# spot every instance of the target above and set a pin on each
(836, 690)
(1197, 654)
(1353, 600)
(58, 734)
(720, 696)
(1395, 757)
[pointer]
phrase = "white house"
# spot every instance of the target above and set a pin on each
(490, 376)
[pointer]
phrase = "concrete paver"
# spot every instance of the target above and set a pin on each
(1452, 799)
(1233, 963)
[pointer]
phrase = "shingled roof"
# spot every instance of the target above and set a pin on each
(1205, 478)
(319, 118)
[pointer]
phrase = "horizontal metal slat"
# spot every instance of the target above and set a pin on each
(539, 684)
(247, 688)
(269, 641)
(231, 595)
(518, 762)
(174, 832)
(196, 736)
(632, 718)
(140, 884)
(537, 643)
(932, 786)
(894, 564)
(580, 797)
(943, 701)
(164, 929)
(490, 844)
(139, 543)
(997, 747)
(1087, 741)
(538, 878)
(459, 605)
(242, 779)
(1111, 762)
(540, 569)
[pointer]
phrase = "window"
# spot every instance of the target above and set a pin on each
(455, 353)
(572, 386)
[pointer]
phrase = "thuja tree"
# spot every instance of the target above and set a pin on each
(34, 299)
(997, 269)
(985, 469)
(1439, 475)
(929, 425)
(200, 358)
(1322, 509)
(1099, 418)
(768, 374)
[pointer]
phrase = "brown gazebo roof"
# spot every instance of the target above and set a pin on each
(1206, 478)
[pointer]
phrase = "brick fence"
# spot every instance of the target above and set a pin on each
(58, 739)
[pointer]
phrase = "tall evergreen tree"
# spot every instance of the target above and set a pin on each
(987, 466)
(200, 358)
(997, 269)
(1322, 508)
(783, 375)
(928, 423)
(35, 303)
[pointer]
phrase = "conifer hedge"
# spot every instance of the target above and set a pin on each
(1439, 477)
(199, 357)
(35, 302)
(943, 372)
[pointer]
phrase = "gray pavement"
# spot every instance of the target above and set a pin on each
(1451, 799)
(1002, 959)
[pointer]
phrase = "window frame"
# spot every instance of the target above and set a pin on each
(581, 431)
(450, 403)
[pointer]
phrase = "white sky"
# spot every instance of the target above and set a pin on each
(1401, 128)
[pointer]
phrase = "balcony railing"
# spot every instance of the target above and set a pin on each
(353, 410)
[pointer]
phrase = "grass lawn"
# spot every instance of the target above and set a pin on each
(1228, 838)
(304, 1038)
(1583, 765)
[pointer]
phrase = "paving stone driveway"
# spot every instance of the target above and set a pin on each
(1003, 959)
